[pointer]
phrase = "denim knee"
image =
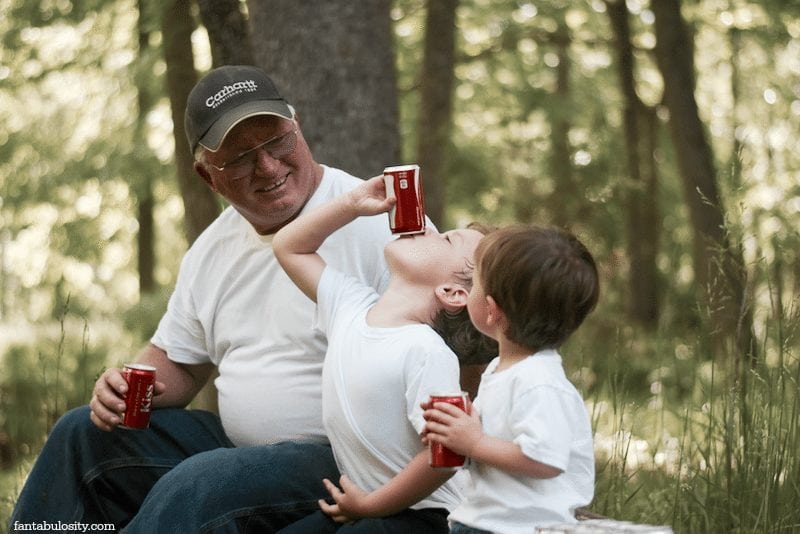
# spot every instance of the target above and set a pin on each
(74, 419)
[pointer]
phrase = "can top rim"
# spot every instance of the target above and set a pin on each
(396, 168)
(139, 366)
(449, 394)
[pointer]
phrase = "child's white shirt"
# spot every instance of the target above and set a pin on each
(533, 404)
(373, 382)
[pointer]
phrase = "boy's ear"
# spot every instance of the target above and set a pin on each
(452, 297)
(494, 313)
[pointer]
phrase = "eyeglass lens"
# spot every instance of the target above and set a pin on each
(277, 148)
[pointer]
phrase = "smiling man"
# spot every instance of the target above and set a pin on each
(259, 465)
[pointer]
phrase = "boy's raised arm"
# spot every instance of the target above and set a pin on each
(296, 244)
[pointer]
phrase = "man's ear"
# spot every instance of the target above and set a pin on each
(201, 169)
(452, 297)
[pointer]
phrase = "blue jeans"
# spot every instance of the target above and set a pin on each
(181, 475)
(458, 528)
(425, 521)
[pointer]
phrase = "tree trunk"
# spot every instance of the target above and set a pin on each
(640, 127)
(143, 189)
(227, 32)
(736, 153)
(200, 204)
(564, 191)
(719, 267)
(334, 62)
(436, 103)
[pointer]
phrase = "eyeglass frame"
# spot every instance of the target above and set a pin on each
(226, 165)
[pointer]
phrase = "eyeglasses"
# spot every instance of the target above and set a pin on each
(242, 165)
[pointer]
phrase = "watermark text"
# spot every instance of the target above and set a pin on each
(60, 526)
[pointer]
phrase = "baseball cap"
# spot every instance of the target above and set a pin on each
(226, 96)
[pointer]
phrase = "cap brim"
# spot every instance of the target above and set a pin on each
(213, 138)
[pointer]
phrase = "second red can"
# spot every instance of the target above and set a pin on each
(141, 381)
(404, 182)
(441, 456)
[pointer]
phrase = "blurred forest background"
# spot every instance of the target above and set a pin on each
(663, 132)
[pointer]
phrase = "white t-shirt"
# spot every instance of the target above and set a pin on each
(534, 405)
(235, 307)
(373, 382)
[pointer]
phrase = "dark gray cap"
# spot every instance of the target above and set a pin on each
(226, 96)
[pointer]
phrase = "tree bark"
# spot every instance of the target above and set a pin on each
(143, 190)
(735, 35)
(227, 32)
(640, 130)
(561, 153)
(200, 204)
(436, 102)
(333, 61)
(719, 267)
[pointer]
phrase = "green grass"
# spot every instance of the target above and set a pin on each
(11, 481)
(696, 446)
(46, 370)
(678, 441)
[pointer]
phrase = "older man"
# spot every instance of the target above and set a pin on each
(260, 464)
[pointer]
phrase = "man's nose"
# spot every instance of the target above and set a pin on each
(265, 163)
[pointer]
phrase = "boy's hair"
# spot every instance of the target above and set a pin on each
(458, 332)
(543, 278)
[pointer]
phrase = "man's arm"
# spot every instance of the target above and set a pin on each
(296, 244)
(408, 487)
(176, 385)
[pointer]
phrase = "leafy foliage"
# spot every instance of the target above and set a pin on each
(70, 168)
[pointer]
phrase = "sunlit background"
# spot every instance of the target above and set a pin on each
(73, 149)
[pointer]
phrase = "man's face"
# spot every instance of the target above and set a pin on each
(268, 185)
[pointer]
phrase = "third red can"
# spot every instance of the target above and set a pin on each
(441, 456)
(404, 182)
(141, 381)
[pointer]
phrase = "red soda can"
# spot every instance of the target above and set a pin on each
(141, 381)
(441, 456)
(404, 182)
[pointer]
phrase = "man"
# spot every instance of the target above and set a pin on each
(260, 464)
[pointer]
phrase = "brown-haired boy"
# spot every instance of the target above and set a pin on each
(529, 436)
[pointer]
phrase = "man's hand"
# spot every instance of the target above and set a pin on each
(107, 404)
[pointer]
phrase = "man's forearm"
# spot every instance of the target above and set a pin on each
(182, 382)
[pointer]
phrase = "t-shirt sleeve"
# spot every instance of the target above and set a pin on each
(339, 299)
(540, 422)
(180, 332)
(430, 371)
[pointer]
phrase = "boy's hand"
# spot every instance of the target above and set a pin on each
(452, 427)
(370, 198)
(428, 411)
(349, 502)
